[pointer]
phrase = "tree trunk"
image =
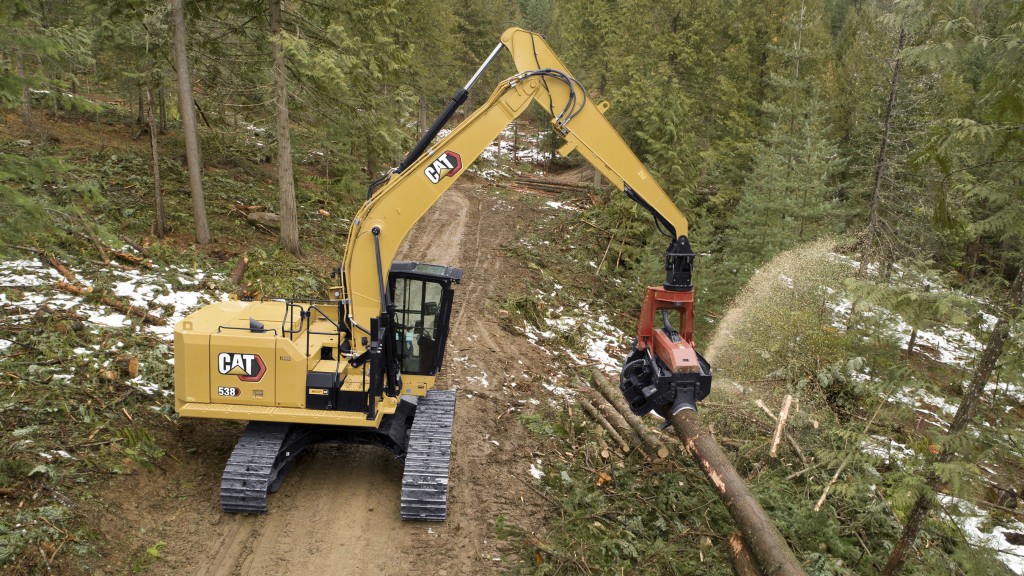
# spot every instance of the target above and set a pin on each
(912, 341)
(371, 159)
(140, 119)
(423, 115)
(285, 179)
(883, 146)
(188, 124)
(159, 225)
(759, 532)
(964, 413)
(26, 95)
(163, 108)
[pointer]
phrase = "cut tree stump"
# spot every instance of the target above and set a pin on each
(128, 365)
(238, 272)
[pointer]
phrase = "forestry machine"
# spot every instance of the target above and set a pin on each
(360, 365)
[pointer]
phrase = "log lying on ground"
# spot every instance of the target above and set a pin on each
(617, 420)
(613, 395)
(129, 310)
(119, 305)
(73, 288)
(59, 267)
(132, 259)
(612, 432)
(768, 546)
(743, 563)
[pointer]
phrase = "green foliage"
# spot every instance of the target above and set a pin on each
(275, 273)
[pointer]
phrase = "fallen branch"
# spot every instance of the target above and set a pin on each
(759, 532)
(790, 439)
(614, 397)
(780, 426)
(132, 259)
(73, 288)
(612, 432)
(137, 311)
(59, 267)
(120, 306)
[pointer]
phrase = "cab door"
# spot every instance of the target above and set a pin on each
(422, 295)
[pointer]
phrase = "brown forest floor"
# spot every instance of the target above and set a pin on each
(337, 512)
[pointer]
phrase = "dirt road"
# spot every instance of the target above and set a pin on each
(337, 512)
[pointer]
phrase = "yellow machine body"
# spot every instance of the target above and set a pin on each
(224, 370)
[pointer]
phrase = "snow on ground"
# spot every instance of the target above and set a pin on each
(498, 155)
(956, 347)
(604, 345)
(563, 206)
(887, 449)
(973, 522)
(155, 290)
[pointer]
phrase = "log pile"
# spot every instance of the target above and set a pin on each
(551, 186)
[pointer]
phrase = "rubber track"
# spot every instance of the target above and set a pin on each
(252, 468)
(425, 482)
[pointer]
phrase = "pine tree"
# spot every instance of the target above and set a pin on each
(789, 196)
(188, 124)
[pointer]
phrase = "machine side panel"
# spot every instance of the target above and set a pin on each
(191, 359)
(242, 368)
(291, 374)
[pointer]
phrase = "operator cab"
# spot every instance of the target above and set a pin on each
(422, 295)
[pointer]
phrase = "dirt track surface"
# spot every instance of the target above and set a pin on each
(337, 512)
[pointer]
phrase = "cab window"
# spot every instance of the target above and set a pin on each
(418, 309)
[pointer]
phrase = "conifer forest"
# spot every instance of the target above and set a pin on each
(853, 176)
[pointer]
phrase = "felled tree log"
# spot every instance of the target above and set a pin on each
(613, 395)
(119, 305)
(59, 267)
(73, 288)
(129, 310)
(612, 432)
(768, 546)
(743, 563)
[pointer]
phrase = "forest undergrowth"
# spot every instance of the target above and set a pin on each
(867, 416)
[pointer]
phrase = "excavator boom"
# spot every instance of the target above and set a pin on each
(431, 168)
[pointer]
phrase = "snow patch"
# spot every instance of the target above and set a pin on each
(972, 520)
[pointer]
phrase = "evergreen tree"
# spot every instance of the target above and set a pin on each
(790, 196)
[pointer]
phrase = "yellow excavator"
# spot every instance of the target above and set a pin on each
(360, 365)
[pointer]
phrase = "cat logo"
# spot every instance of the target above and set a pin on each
(248, 367)
(447, 164)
